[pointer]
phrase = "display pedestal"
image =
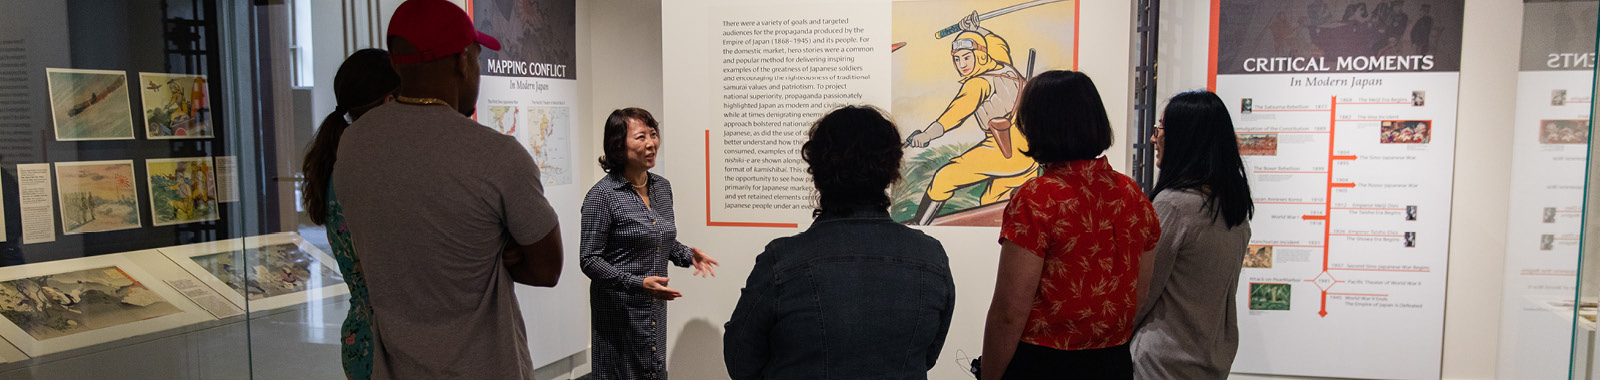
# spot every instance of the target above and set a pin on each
(211, 350)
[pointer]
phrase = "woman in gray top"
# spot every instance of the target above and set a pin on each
(1187, 323)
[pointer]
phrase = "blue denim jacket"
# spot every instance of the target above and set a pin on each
(854, 297)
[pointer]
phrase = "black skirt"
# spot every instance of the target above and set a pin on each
(1039, 362)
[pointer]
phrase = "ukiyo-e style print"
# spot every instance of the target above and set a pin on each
(1563, 131)
(958, 68)
(57, 305)
(269, 271)
(1406, 132)
(182, 190)
(1258, 256)
(97, 196)
(1258, 144)
(90, 104)
(176, 106)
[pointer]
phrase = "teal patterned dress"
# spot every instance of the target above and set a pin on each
(356, 333)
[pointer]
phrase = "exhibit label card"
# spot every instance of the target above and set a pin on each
(227, 179)
(205, 297)
(1347, 123)
(38, 211)
(1548, 166)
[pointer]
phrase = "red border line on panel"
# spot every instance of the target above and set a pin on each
(1280, 132)
(1288, 203)
(1211, 66)
(1381, 270)
(1077, 30)
(710, 223)
(1358, 295)
(1327, 226)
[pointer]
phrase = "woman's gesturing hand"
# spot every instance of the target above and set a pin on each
(704, 265)
(657, 287)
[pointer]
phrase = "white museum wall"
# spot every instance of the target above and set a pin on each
(622, 62)
(695, 321)
(1482, 166)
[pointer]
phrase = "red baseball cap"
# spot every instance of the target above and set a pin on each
(437, 28)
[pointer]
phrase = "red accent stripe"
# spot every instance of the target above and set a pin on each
(1211, 66)
(710, 223)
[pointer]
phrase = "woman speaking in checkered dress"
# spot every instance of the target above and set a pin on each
(628, 237)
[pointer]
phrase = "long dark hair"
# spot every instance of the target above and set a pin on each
(615, 143)
(853, 154)
(363, 82)
(1201, 152)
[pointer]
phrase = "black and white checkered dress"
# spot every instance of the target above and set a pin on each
(623, 242)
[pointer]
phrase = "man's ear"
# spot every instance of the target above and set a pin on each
(463, 63)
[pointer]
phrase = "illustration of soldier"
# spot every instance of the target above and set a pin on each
(990, 86)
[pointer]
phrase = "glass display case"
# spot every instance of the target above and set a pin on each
(143, 234)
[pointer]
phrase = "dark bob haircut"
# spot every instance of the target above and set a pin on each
(1061, 115)
(854, 155)
(615, 142)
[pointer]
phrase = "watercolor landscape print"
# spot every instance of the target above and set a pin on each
(97, 196)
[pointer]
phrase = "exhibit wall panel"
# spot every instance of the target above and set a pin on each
(1482, 167)
(693, 96)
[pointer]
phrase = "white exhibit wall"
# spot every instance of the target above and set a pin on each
(1480, 184)
(695, 321)
(1482, 166)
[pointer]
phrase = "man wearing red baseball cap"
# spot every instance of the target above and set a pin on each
(445, 213)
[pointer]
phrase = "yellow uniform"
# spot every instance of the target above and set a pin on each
(989, 92)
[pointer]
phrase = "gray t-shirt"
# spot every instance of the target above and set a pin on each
(1187, 325)
(432, 199)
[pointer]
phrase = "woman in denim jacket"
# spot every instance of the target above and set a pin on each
(855, 296)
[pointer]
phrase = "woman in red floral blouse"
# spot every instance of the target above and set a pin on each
(1071, 239)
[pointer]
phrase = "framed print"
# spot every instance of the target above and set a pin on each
(268, 272)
